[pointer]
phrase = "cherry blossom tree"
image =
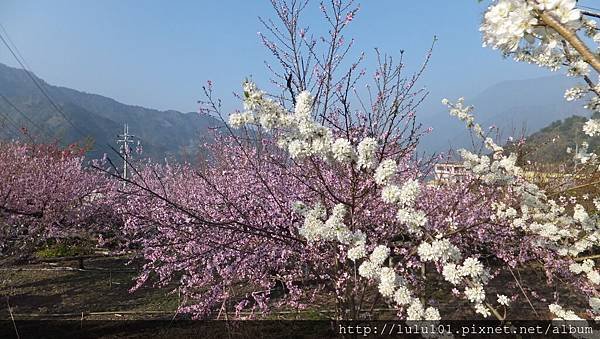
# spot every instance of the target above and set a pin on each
(315, 188)
(312, 180)
(47, 192)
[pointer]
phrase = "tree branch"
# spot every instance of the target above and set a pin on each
(572, 38)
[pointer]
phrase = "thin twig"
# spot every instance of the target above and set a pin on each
(523, 291)
(12, 318)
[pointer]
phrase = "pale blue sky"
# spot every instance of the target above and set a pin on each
(159, 53)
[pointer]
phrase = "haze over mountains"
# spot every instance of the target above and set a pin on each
(162, 133)
(513, 106)
(510, 105)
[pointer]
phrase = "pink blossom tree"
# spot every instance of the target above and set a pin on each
(317, 197)
(47, 193)
(231, 232)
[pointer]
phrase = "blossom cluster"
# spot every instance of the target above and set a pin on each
(470, 273)
(547, 221)
(510, 25)
(521, 28)
(403, 196)
(299, 133)
(393, 287)
(592, 127)
(319, 228)
(587, 267)
(563, 314)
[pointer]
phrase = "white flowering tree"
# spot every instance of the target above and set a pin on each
(322, 188)
(535, 32)
(553, 34)
(553, 234)
(383, 226)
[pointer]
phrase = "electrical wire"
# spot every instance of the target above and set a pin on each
(14, 107)
(8, 119)
(39, 86)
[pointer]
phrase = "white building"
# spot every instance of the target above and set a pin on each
(449, 172)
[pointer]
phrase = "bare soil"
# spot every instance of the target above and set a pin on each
(100, 291)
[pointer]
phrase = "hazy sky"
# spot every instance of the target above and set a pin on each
(159, 53)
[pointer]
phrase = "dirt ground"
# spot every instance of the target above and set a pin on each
(100, 291)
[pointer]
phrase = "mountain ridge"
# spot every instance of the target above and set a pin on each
(514, 106)
(163, 134)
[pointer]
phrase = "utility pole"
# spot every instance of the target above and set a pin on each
(125, 139)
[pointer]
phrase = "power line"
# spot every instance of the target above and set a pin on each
(589, 11)
(13, 45)
(19, 129)
(11, 122)
(39, 86)
(38, 127)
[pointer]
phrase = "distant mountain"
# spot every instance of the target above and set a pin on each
(162, 133)
(549, 145)
(517, 108)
